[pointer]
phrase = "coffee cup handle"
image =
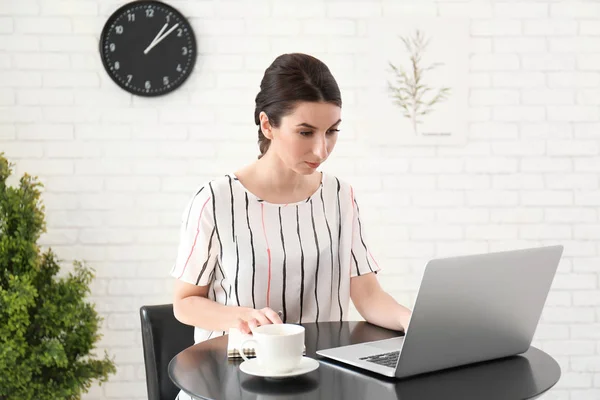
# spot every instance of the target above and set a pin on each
(243, 345)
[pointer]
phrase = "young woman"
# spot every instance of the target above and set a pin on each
(277, 240)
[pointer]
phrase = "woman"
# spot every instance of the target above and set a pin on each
(278, 241)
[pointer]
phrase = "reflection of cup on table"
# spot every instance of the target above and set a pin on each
(300, 388)
(278, 347)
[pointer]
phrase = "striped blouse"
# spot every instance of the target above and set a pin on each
(295, 258)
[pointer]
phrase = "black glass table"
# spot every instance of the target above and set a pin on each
(204, 372)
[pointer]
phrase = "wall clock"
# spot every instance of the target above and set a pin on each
(148, 48)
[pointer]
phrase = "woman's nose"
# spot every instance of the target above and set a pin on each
(320, 148)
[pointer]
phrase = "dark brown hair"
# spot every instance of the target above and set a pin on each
(290, 79)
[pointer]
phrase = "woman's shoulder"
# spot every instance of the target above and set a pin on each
(339, 182)
(214, 184)
(208, 189)
(202, 197)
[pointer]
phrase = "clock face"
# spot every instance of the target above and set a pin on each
(148, 48)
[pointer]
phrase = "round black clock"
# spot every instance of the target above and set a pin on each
(148, 48)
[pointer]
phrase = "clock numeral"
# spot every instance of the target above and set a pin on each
(149, 12)
(179, 32)
(129, 78)
(131, 17)
(119, 29)
(165, 80)
(168, 18)
(178, 68)
(117, 65)
(184, 50)
(112, 47)
(147, 85)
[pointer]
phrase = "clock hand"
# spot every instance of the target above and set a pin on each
(159, 33)
(160, 39)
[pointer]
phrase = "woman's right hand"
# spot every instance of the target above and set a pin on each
(252, 318)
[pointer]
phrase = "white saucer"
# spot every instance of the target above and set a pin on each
(251, 367)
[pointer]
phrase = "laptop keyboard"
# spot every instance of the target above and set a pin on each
(386, 359)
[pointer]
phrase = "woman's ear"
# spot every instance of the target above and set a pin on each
(265, 125)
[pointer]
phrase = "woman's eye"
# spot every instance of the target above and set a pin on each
(329, 132)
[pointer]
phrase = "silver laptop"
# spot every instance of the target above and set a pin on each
(468, 309)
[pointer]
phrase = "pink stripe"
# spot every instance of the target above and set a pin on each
(262, 209)
(195, 238)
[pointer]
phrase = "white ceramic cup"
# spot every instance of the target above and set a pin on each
(279, 347)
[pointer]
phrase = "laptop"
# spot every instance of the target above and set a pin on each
(468, 309)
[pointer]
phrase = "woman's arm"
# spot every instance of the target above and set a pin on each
(191, 306)
(377, 306)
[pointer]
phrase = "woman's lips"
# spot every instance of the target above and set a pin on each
(312, 165)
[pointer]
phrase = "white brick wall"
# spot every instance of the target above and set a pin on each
(118, 169)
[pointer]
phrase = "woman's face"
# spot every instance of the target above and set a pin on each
(306, 137)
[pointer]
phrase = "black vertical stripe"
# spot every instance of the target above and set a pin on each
(220, 246)
(213, 273)
(212, 277)
(301, 266)
(213, 286)
(214, 202)
(234, 238)
(361, 236)
(207, 257)
(318, 338)
(232, 212)
(339, 246)
(221, 281)
(284, 267)
(312, 217)
(355, 262)
(330, 249)
(253, 257)
(191, 205)
(237, 271)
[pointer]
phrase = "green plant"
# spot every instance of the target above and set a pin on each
(47, 330)
(410, 93)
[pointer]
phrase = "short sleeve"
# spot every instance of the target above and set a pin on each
(198, 248)
(362, 260)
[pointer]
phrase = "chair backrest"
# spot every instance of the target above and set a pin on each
(163, 336)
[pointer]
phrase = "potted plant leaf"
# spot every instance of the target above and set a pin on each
(47, 329)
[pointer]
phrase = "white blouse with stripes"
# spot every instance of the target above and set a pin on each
(295, 258)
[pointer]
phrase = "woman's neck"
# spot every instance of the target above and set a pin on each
(273, 174)
(270, 180)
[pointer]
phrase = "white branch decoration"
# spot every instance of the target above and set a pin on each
(409, 92)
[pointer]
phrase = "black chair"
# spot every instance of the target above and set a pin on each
(163, 337)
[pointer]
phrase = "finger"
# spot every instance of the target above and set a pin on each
(243, 326)
(253, 323)
(272, 315)
(262, 318)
